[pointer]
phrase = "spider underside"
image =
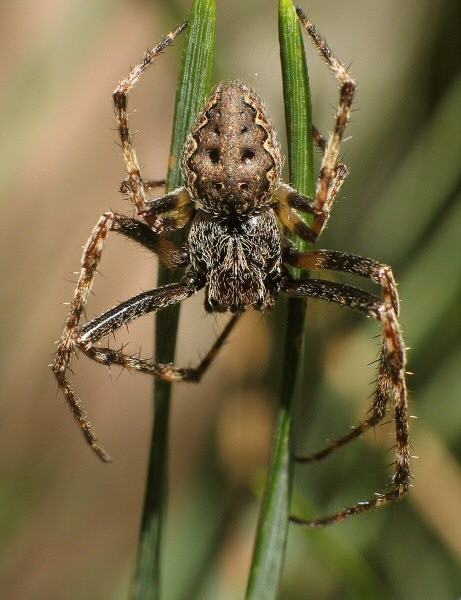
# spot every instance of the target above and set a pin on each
(239, 212)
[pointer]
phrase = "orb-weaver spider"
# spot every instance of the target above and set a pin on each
(238, 210)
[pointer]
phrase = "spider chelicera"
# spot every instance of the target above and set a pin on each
(239, 211)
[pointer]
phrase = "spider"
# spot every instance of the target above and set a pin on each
(239, 211)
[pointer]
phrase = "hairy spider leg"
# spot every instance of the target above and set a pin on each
(327, 184)
(150, 184)
(289, 201)
(341, 170)
(133, 186)
(125, 313)
(376, 272)
(134, 308)
(333, 171)
(74, 338)
(333, 260)
(170, 212)
(391, 382)
(138, 232)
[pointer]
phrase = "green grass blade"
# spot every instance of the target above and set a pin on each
(272, 530)
(298, 106)
(193, 89)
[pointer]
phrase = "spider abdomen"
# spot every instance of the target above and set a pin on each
(239, 257)
(232, 160)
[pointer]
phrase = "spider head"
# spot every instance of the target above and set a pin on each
(232, 160)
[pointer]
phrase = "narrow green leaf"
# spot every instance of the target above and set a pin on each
(272, 530)
(298, 106)
(193, 89)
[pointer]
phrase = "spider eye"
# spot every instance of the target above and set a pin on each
(247, 156)
(218, 186)
(214, 155)
(243, 187)
(244, 129)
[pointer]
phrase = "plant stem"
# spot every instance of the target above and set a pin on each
(193, 89)
(272, 529)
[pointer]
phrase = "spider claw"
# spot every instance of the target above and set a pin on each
(101, 453)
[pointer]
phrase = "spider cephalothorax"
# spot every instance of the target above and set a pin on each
(239, 257)
(239, 212)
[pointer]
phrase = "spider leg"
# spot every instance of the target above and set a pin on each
(391, 381)
(341, 171)
(167, 372)
(381, 274)
(346, 263)
(149, 184)
(118, 316)
(134, 186)
(138, 232)
(332, 171)
(169, 212)
(288, 201)
(134, 308)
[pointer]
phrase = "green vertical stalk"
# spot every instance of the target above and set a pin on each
(272, 532)
(194, 86)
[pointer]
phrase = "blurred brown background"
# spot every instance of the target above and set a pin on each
(68, 524)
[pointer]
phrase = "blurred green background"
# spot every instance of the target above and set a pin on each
(69, 524)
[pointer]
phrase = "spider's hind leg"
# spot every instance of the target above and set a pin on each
(134, 184)
(288, 201)
(332, 172)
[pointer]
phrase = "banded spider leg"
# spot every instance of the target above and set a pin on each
(166, 213)
(391, 378)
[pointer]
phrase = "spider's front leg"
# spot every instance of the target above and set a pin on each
(143, 235)
(391, 380)
(364, 267)
(123, 314)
